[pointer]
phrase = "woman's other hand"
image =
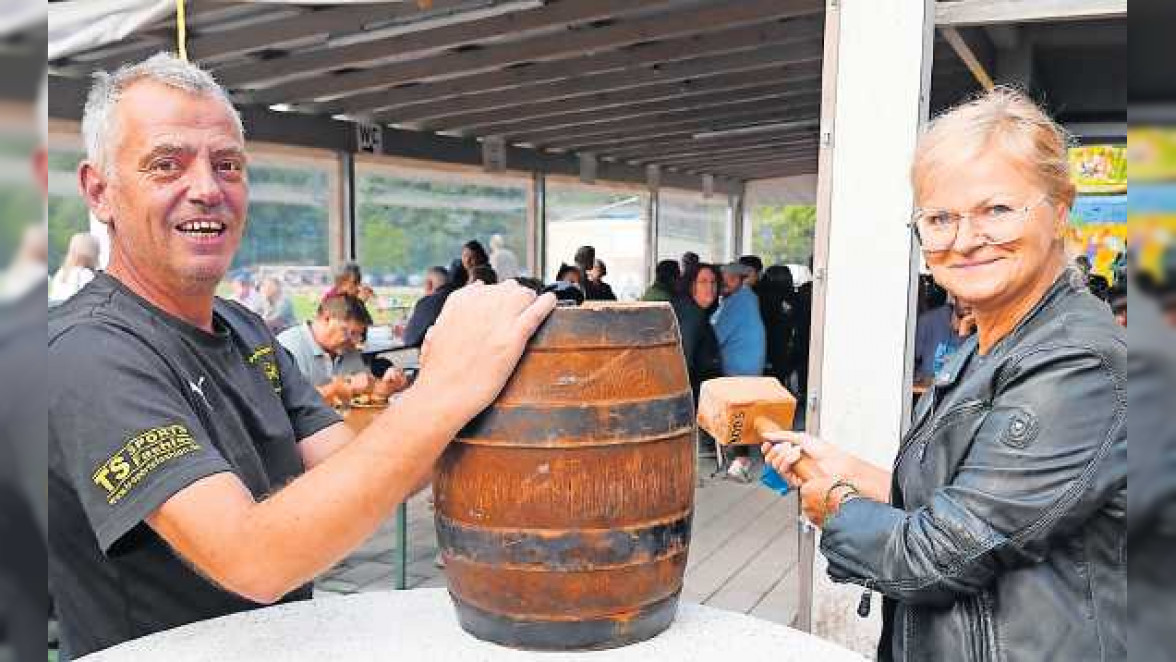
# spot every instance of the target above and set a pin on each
(821, 497)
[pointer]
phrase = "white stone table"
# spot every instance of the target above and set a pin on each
(421, 626)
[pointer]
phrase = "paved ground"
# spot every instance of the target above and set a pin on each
(742, 554)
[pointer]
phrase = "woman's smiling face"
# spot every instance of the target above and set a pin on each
(973, 268)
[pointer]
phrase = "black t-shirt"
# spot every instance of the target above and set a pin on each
(141, 405)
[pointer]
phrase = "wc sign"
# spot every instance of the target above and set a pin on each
(369, 138)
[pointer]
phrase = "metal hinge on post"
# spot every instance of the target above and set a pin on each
(826, 140)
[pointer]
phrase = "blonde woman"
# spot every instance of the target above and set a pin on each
(77, 269)
(999, 532)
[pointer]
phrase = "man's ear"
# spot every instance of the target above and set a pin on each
(96, 192)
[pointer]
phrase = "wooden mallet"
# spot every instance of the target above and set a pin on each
(742, 410)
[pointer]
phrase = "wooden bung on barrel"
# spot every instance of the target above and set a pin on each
(563, 511)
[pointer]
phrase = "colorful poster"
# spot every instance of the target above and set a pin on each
(1152, 154)
(1099, 168)
(1153, 225)
(1099, 230)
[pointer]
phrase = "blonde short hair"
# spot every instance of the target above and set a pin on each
(1004, 119)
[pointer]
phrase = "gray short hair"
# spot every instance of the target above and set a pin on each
(98, 127)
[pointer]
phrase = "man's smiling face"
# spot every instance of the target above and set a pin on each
(176, 190)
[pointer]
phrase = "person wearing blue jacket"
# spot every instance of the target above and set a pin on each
(742, 343)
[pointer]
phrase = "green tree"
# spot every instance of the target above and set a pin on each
(783, 234)
(384, 246)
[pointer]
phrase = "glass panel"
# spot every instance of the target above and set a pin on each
(690, 222)
(67, 211)
(783, 234)
(19, 204)
(613, 220)
(410, 218)
(287, 235)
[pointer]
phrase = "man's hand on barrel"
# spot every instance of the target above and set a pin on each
(476, 343)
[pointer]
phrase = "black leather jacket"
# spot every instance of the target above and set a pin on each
(1005, 538)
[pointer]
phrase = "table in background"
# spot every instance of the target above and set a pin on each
(358, 418)
(420, 625)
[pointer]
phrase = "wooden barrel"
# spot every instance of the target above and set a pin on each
(563, 511)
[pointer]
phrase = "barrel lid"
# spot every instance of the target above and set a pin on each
(608, 324)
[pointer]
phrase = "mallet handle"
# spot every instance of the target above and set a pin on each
(805, 467)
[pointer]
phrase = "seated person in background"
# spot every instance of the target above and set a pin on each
(473, 254)
(29, 266)
(349, 280)
(502, 259)
(665, 281)
(326, 350)
(585, 260)
(693, 310)
(424, 314)
(1099, 286)
(458, 275)
(689, 264)
(699, 344)
(570, 274)
(777, 294)
(276, 309)
(243, 291)
(77, 269)
(939, 332)
(485, 274)
(756, 265)
(742, 344)
(596, 274)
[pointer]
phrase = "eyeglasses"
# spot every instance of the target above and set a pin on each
(936, 229)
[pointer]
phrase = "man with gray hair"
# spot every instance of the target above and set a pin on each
(193, 471)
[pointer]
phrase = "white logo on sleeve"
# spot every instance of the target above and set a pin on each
(198, 389)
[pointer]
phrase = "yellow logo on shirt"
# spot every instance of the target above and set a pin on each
(264, 356)
(143, 453)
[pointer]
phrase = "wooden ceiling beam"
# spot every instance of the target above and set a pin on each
(723, 152)
(698, 122)
(614, 143)
(734, 162)
(771, 172)
(737, 40)
(689, 144)
(409, 44)
(770, 87)
(590, 123)
(570, 43)
(803, 56)
(280, 31)
(713, 54)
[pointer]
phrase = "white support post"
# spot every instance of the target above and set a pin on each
(875, 99)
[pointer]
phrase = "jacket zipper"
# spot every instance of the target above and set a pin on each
(920, 440)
